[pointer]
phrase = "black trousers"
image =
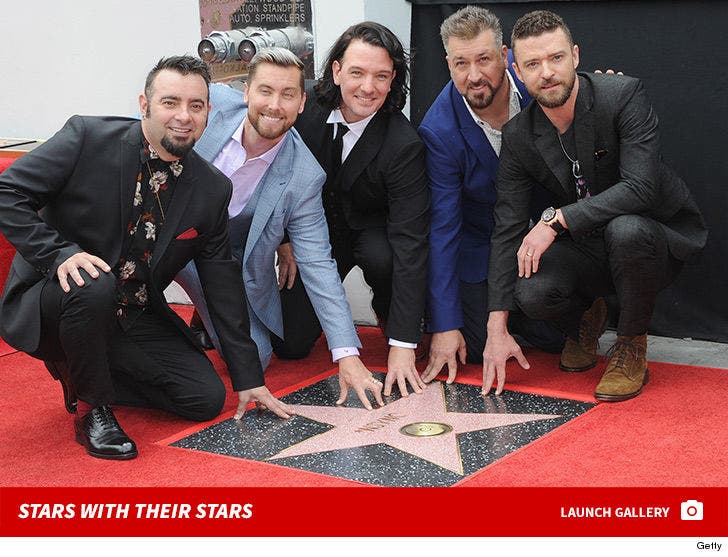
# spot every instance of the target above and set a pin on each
(629, 257)
(544, 335)
(301, 327)
(370, 250)
(151, 365)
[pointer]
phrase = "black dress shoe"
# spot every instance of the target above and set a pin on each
(202, 337)
(199, 332)
(102, 435)
(60, 372)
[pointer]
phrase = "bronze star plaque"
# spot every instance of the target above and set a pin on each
(425, 429)
(437, 438)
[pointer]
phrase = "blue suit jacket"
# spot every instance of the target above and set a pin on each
(462, 168)
(289, 199)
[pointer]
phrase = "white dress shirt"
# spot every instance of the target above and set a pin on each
(348, 140)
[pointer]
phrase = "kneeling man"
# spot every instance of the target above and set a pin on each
(620, 221)
(277, 189)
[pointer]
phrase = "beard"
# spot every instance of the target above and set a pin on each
(177, 149)
(485, 98)
(558, 97)
(270, 132)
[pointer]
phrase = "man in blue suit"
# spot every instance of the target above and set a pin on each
(462, 134)
(277, 191)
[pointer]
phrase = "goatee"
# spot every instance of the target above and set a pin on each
(484, 99)
(177, 149)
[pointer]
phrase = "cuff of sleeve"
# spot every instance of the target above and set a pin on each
(400, 344)
(338, 353)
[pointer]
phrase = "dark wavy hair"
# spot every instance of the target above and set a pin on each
(328, 94)
(184, 65)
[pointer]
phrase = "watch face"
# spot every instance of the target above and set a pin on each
(548, 214)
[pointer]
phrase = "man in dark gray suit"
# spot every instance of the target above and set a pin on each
(103, 216)
(620, 222)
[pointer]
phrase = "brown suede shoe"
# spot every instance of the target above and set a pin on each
(582, 355)
(627, 371)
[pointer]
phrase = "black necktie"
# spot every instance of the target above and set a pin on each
(341, 129)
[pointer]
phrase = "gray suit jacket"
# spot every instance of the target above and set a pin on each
(289, 199)
(618, 144)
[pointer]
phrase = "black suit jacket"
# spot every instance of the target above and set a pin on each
(618, 146)
(74, 193)
(383, 183)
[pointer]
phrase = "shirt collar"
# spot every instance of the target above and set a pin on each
(514, 90)
(357, 128)
(150, 156)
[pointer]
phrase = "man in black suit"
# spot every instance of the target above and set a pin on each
(376, 195)
(620, 222)
(103, 216)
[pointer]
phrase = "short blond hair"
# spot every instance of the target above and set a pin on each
(278, 56)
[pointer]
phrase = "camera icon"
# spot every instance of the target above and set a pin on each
(691, 510)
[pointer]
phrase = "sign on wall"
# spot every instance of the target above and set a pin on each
(233, 30)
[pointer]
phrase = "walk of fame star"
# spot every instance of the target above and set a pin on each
(369, 446)
(356, 427)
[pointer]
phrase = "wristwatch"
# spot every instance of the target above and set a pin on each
(549, 218)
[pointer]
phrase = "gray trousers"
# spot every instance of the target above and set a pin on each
(629, 257)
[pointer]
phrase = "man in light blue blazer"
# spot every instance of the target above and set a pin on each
(277, 192)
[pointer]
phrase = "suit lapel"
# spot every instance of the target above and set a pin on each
(269, 190)
(181, 196)
(548, 146)
(364, 151)
(218, 132)
(585, 134)
(130, 156)
(471, 132)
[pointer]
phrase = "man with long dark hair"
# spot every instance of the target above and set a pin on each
(375, 197)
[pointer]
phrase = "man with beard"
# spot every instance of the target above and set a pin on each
(619, 221)
(103, 216)
(462, 134)
(277, 189)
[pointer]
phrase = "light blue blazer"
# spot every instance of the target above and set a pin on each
(289, 198)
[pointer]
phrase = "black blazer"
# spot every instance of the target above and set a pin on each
(383, 183)
(74, 193)
(617, 141)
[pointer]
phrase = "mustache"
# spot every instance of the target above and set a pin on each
(479, 84)
(547, 82)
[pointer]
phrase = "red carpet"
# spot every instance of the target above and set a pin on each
(6, 250)
(674, 434)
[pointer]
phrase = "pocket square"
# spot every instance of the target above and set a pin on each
(187, 234)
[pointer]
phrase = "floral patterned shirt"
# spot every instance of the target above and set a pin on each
(154, 187)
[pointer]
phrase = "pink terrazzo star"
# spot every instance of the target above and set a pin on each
(357, 427)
